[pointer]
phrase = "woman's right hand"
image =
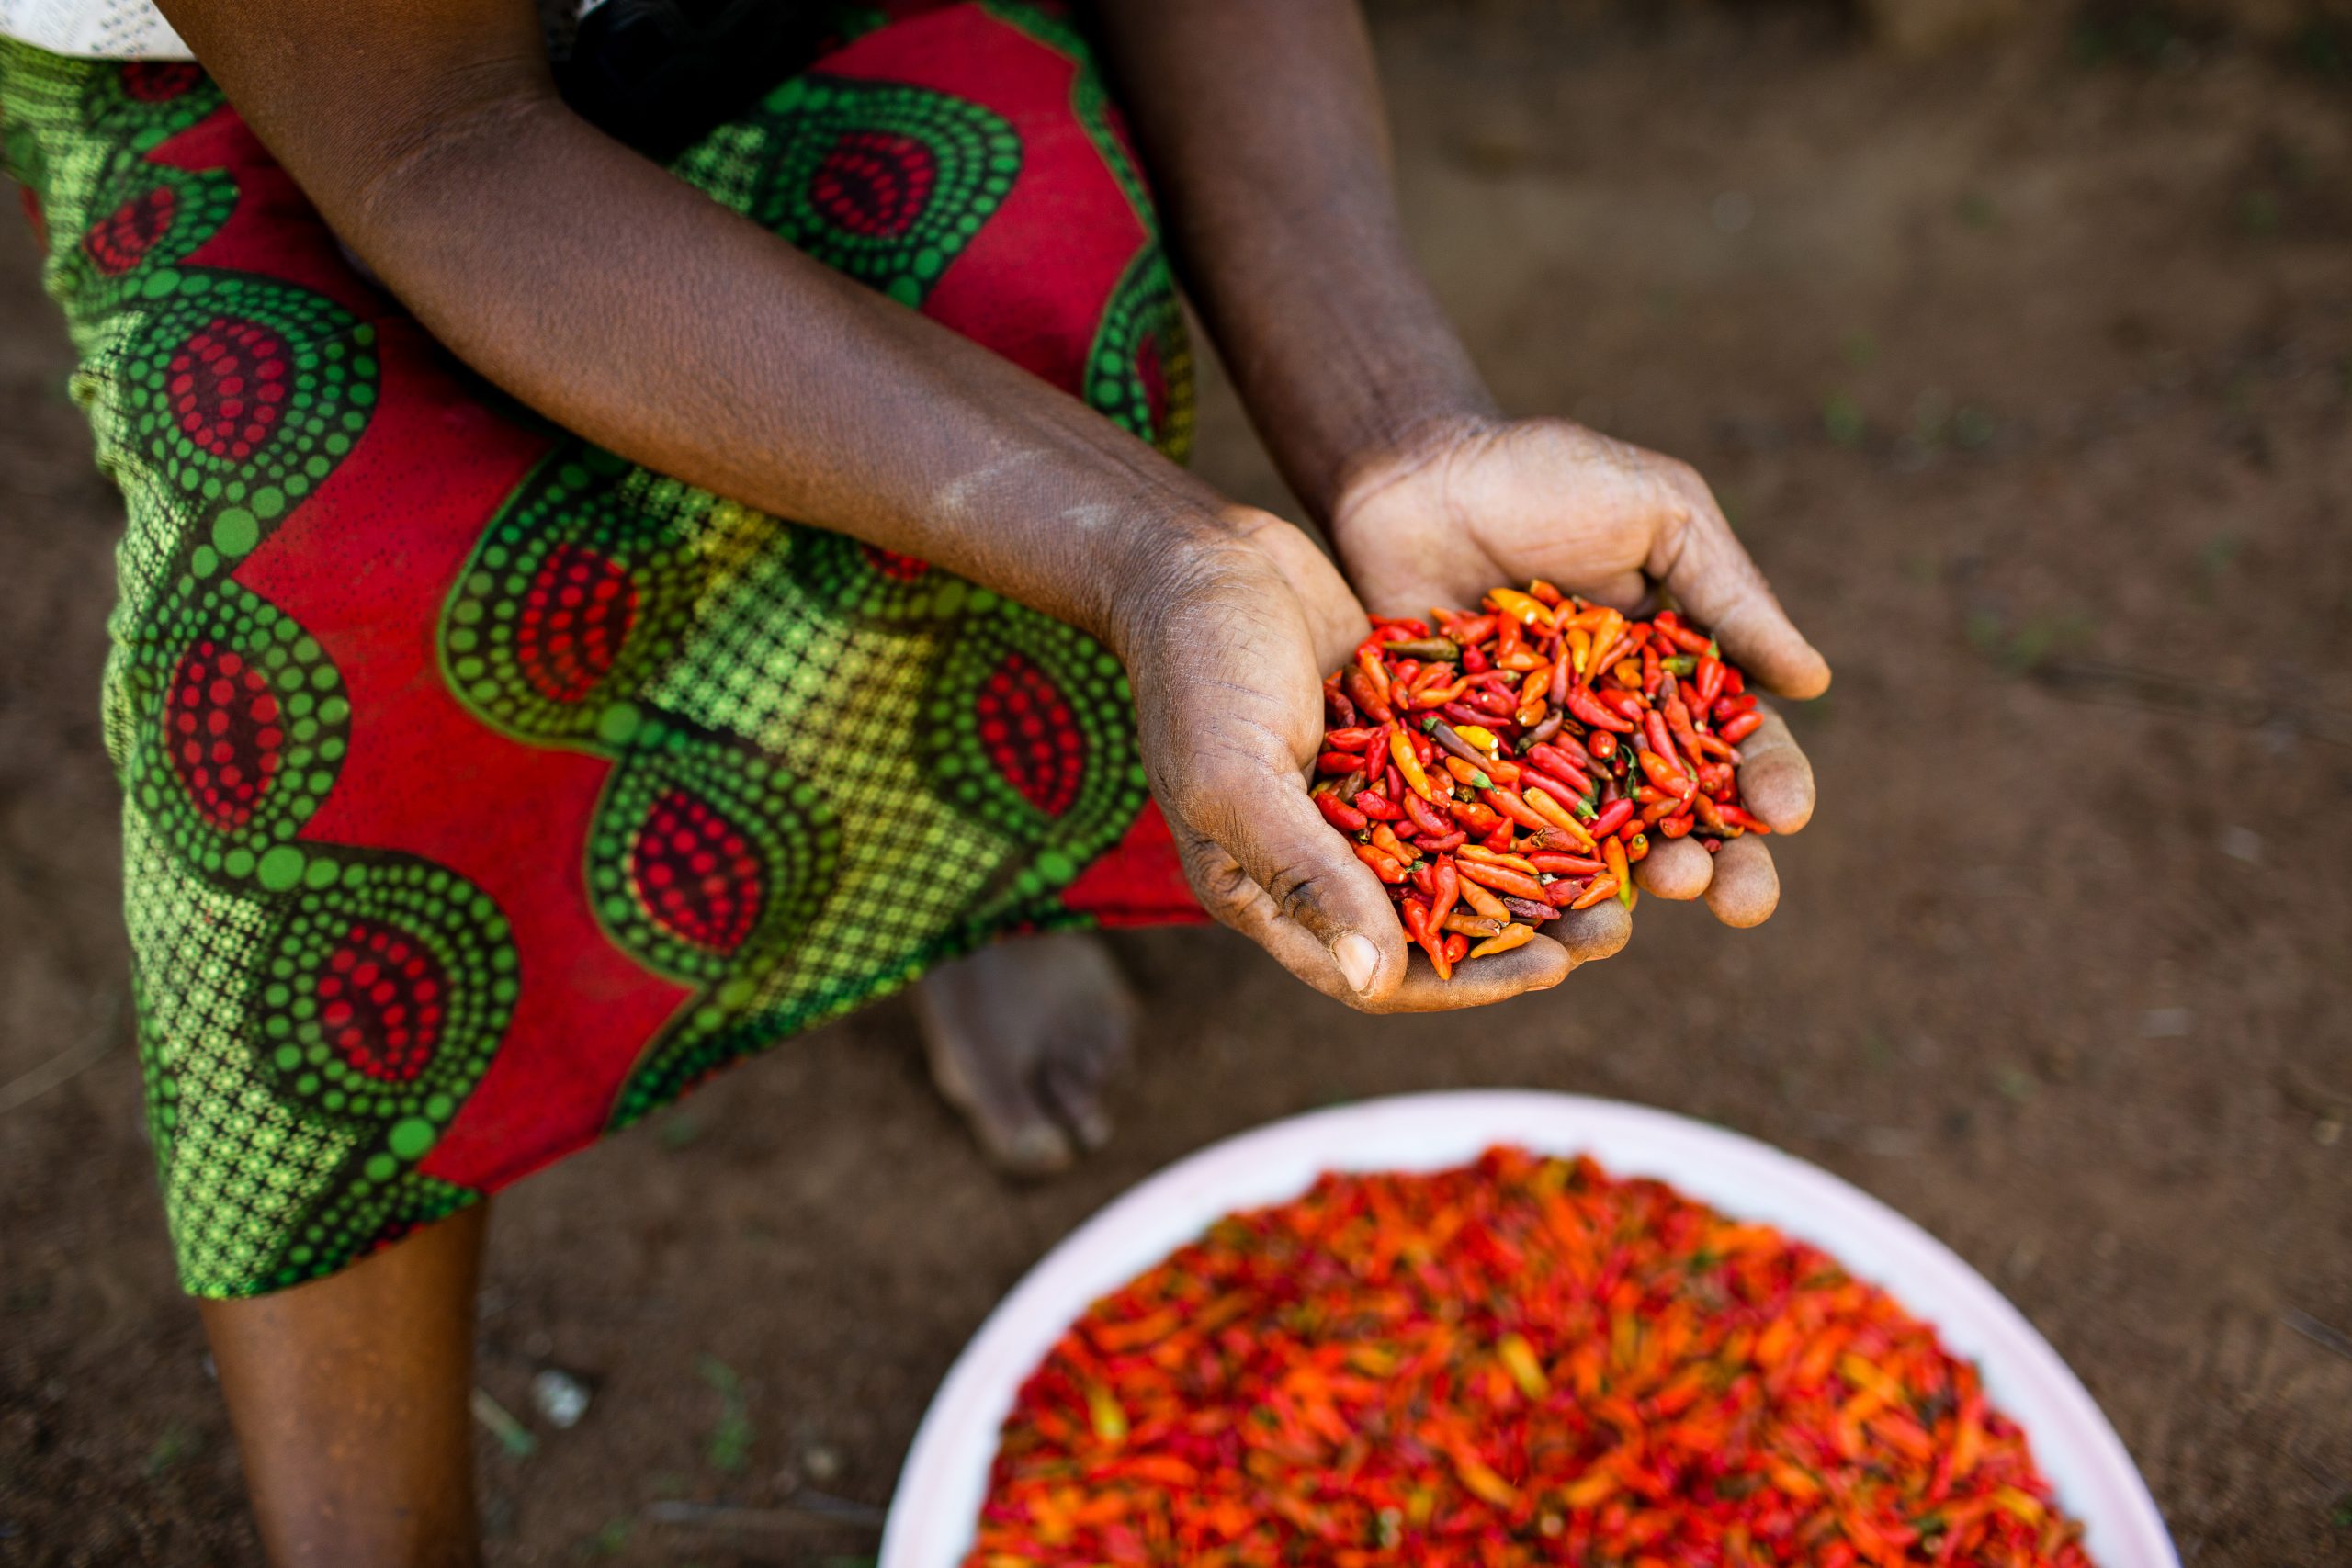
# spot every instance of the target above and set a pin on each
(1227, 651)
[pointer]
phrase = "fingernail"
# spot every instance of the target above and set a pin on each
(1357, 959)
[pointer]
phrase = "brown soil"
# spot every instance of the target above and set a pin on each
(2027, 370)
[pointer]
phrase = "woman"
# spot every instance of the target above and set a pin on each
(496, 770)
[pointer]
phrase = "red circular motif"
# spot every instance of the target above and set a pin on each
(893, 564)
(380, 997)
(1031, 734)
(160, 81)
(696, 873)
(116, 243)
(575, 618)
(221, 721)
(874, 183)
(228, 387)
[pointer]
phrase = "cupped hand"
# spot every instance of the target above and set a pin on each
(1227, 663)
(1486, 502)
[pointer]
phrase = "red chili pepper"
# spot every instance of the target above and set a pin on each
(1338, 764)
(1448, 888)
(1366, 695)
(1585, 706)
(1417, 925)
(1740, 725)
(1675, 826)
(1499, 879)
(1610, 818)
(1508, 802)
(1708, 677)
(1601, 743)
(1600, 890)
(1682, 636)
(1382, 866)
(1666, 776)
(1740, 816)
(1562, 766)
(1566, 865)
(1341, 815)
(1423, 818)
(1377, 806)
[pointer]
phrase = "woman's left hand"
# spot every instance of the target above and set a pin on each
(1484, 502)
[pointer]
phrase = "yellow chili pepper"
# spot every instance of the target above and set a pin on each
(1520, 608)
(1613, 852)
(1540, 802)
(1400, 747)
(1517, 1355)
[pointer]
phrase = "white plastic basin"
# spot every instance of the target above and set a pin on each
(941, 1489)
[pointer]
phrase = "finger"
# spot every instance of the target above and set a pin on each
(1709, 572)
(1564, 946)
(1593, 934)
(1539, 965)
(1309, 901)
(1625, 592)
(1076, 1089)
(1746, 888)
(1775, 780)
(1676, 868)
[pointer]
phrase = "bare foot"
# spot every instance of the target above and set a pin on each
(1022, 1037)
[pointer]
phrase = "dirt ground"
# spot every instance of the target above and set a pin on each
(2026, 369)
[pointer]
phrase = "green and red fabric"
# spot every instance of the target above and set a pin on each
(483, 790)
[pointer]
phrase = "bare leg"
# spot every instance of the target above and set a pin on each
(1024, 1038)
(349, 1399)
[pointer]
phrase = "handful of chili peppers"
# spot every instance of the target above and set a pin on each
(1518, 1361)
(1509, 764)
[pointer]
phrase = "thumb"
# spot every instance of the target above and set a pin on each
(1709, 572)
(1306, 898)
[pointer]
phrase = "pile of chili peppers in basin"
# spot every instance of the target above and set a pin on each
(1521, 1360)
(1504, 766)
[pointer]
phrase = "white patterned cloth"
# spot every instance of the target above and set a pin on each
(97, 30)
(134, 29)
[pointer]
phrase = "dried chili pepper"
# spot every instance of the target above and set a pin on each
(1453, 755)
(1522, 1360)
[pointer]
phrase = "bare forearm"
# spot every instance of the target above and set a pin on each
(630, 308)
(649, 319)
(1262, 122)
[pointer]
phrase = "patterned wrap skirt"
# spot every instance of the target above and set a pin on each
(483, 790)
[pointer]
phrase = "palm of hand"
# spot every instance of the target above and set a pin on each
(1495, 503)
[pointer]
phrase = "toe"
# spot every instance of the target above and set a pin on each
(998, 1090)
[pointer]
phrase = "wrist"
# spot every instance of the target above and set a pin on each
(1215, 559)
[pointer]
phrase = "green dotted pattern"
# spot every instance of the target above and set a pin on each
(279, 1158)
(574, 500)
(314, 717)
(1144, 318)
(393, 1122)
(795, 841)
(817, 698)
(765, 169)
